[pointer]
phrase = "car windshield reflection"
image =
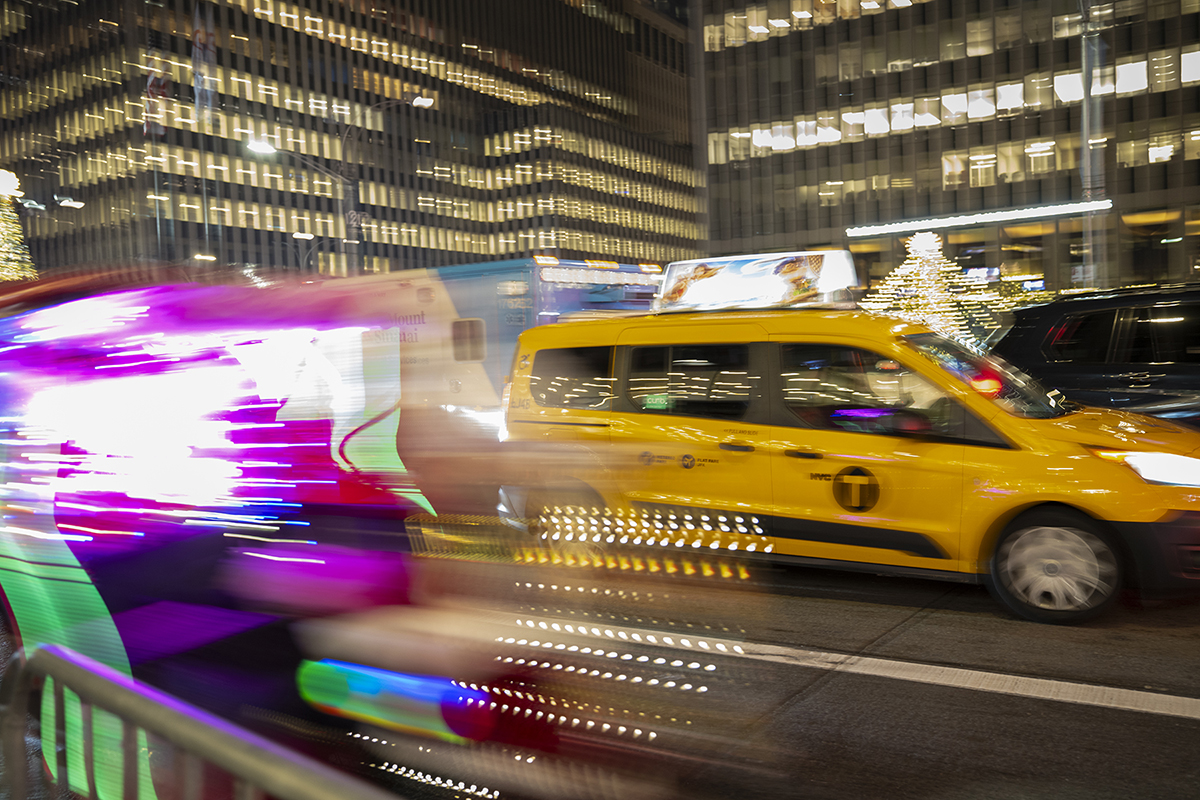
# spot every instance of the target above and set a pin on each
(992, 377)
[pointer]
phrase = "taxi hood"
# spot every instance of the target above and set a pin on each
(1121, 430)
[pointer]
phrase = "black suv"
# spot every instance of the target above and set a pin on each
(1133, 348)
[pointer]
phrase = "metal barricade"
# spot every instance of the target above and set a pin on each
(258, 767)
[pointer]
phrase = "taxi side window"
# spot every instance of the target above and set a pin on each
(834, 387)
(573, 377)
(708, 380)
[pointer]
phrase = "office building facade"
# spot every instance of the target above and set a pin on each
(855, 123)
(345, 137)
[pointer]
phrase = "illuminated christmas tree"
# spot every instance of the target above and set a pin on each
(15, 263)
(930, 289)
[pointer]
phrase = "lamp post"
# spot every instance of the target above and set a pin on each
(347, 175)
(347, 201)
(307, 253)
(1093, 272)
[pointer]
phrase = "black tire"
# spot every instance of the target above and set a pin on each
(1055, 565)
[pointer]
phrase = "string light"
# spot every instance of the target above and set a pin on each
(15, 261)
(932, 290)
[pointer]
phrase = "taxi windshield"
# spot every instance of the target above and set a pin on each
(992, 377)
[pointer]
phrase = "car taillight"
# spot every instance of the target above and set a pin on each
(987, 385)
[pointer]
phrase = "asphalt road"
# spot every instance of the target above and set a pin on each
(816, 684)
(941, 711)
(856, 686)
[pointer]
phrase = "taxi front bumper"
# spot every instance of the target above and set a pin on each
(1166, 555)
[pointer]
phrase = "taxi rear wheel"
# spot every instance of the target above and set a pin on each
(1056, 566)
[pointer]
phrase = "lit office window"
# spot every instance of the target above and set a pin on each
(802, 14)
(829, 193)
(979, 37)
(739, 145)
(954, 170)
(983, 168)
(927, 112)
(1162, 147)
(714, 35)
(1191, 144)
(760, 142)
(954, 108)
(806, 132)
(827, 128)
(876, 122)
(1067, 26)
(981, 103)
(824, 11)
(783, 138)
(757, 27)
(1068, 87)
(1039, 90)
(779, 26)
(1132, 77)
(1132, 153)
(1010, 98)
(1164, 70)
(902, 117)
(735, 28)
(1189, 65)
(718, 148)
(1040, 156)
(1010, 163)
(852, 124)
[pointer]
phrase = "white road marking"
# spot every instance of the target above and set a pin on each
(978, 680)
(1088, 694)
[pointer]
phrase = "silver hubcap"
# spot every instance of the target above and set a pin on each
(1061, 569)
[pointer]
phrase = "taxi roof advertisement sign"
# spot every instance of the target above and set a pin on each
(766, 280)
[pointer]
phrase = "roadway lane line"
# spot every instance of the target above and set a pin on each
(916, 672)
(978, 680)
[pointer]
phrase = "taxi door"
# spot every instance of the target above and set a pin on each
(866, 459)
(690, 427)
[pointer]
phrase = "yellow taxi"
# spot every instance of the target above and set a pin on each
(844, 439)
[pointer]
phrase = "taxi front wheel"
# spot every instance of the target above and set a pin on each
(1055, 566)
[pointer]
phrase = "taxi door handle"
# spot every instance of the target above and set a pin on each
(737, 448)
(803, 454)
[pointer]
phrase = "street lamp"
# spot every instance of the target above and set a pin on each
(347, 176)
(301, 236)
(347, 201)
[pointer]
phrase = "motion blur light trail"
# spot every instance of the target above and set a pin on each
(141, 426)
(420, 704)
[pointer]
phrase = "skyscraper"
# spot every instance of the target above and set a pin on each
(855, 123)
(347, 136)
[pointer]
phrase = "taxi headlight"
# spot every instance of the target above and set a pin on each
(1164, 468)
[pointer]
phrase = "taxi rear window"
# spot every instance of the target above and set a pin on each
(573, 377)
(706, 380)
